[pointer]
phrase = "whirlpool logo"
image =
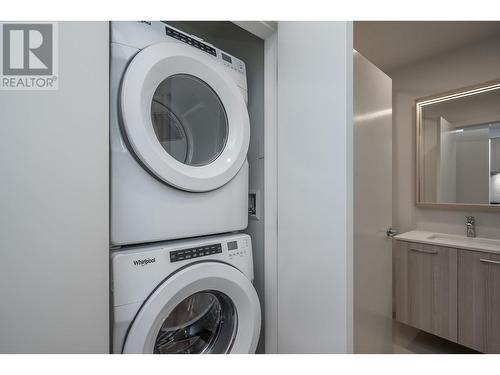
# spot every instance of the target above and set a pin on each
(144, 262)
(29, 58)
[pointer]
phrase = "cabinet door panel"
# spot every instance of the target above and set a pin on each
(479, 301)
(426, 288)
(493, 305)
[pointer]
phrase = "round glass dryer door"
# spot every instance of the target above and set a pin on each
(189, 120)
(184, 117)
(209, 307)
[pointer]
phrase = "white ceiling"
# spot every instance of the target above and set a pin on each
(391, 45)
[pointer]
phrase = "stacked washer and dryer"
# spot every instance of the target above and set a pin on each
(181, 276)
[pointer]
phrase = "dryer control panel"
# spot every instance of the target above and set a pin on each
(170, 31)
(226, 59)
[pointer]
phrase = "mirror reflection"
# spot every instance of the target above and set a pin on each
(459, 148)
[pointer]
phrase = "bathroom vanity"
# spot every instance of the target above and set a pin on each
(449, 286)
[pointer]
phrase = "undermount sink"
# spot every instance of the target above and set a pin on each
(463, 241)
(452, 240)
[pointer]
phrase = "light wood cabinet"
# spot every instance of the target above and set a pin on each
(451, 293)
(426, 288)
(479, 301)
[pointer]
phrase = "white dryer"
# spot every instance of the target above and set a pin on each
(185, 297)
(179, 136)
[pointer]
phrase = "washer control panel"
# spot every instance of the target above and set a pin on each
(137, 270)
(195, 252)
(237, 248)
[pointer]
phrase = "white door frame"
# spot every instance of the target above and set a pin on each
(268, 31)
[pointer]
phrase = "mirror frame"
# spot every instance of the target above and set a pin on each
(445, 96)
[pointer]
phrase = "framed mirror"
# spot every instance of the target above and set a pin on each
(458, 148)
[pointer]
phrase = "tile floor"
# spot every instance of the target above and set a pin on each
(409, 340)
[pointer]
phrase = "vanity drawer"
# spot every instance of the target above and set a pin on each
(426, 288)
(479, 300)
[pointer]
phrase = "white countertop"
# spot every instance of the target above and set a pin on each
(451, 240)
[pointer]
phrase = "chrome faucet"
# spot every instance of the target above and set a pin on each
(470, 225)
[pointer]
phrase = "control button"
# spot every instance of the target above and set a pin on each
(195, 252)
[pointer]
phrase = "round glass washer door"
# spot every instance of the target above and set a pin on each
(184, 117)
(209, 307)
(204, 322)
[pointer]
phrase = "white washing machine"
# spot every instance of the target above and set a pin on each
(186, 297)
(179, 136)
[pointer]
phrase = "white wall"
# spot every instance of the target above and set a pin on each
(315, 65)
(54, 204)
(430, 153)
(495, 188)
(495, 164)
(473, 166)
(447, 175)
(451, 70)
